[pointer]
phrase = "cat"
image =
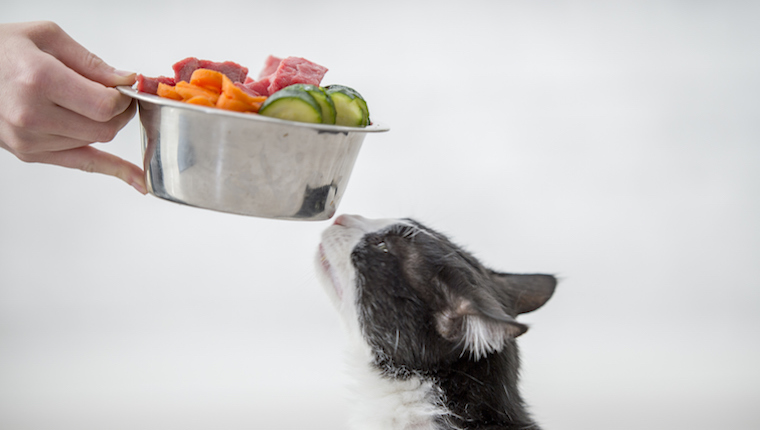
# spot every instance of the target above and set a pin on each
(431, 330)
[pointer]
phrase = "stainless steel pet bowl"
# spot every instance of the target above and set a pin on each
(245, 164)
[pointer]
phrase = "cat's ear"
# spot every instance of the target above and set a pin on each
(479, 321)
(480, 331)
(527, 292)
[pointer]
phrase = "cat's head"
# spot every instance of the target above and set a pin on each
(416, 298)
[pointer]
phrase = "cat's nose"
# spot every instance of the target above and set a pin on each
(346, 220)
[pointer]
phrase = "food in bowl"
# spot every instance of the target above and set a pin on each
(287, 89)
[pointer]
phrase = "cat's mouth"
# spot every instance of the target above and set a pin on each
(330, 272)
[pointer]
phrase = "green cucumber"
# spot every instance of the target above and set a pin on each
(350, 107)
(325, 102)
(293, 105)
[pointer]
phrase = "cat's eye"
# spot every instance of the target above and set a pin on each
(382, 246)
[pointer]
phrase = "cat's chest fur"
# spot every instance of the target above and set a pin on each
(431, 330)
(383, 403)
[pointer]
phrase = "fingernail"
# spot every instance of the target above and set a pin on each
(140, 188)
(123, 73)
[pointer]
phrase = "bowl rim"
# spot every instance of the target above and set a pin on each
(375, 127)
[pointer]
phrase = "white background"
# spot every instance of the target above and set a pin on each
(615, 144)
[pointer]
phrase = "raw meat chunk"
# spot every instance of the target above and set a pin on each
(296, 70)
(270, 66)
(184, 69)
(150, 85)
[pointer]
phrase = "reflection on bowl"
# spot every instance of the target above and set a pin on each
(245, 164)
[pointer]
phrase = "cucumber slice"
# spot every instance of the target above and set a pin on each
(325, 102)
(292, 105)
(350, 107)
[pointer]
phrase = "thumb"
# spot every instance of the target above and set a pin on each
(51, 38)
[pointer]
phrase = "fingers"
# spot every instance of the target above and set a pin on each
(54, 128)
(50, 38)
(88, 98)
(72, 77)
(90, 159)
(57, 100)
(86, 158)
(53, 81)
(55, 135)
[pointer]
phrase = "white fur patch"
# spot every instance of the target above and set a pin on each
(482, 337)
(479, 336)
(390, 404)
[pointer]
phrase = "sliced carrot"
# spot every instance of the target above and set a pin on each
(200, 101)
(236, 105)
(188, 91)
(212, 88)
(257, 105)
(237, 99)
(227, 103)
(168, 91)
(208, 79)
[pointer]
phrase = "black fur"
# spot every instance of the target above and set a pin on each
(408, 276)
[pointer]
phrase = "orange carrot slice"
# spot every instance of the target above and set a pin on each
(200, 101)
(212, 88)
(208, 79)
(234, 98)
(227, 103)
(188, 91)
(168, 92)
(236, 105)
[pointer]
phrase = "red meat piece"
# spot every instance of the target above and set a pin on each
(248, 90)
(150, 85)
(296, 70)
(270, 66)
(184, 69)
(260, 87)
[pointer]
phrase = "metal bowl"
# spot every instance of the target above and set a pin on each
(245, 164)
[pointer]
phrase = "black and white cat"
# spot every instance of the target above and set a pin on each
(432, 331)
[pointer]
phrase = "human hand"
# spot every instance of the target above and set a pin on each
(56, 99)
